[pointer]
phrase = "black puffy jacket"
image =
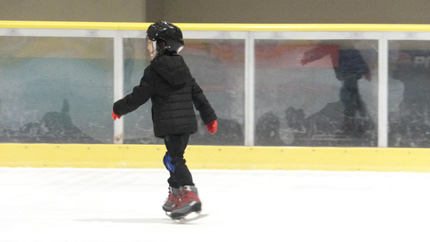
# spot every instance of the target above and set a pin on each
(173, 91)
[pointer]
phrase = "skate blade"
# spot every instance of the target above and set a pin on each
(189, 217)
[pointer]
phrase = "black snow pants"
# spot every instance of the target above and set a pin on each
(176, 145)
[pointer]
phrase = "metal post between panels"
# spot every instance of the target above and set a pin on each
(383, 93)
(118, 86)
(249, 89)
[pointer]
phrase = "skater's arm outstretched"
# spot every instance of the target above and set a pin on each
(138, 97)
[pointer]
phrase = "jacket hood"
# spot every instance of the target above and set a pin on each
(172, 68)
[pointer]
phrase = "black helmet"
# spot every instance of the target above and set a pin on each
(168, 33)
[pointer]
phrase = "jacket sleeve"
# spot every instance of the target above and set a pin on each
(207, 114)
(138, 97)
(321, 51)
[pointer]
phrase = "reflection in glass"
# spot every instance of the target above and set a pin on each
(56, 90)
(409, 98)
(311, 93)
(218, 67)
(138, 127)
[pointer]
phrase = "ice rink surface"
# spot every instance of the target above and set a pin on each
(121, 205)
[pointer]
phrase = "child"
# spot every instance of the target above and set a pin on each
(173, 91)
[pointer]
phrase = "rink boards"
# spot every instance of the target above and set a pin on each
(217, 157)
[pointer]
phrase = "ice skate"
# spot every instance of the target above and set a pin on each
(189, 205)
(172, 200)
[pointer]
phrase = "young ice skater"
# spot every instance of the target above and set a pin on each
(174, 93)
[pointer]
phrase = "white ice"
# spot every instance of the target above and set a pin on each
(122, 205)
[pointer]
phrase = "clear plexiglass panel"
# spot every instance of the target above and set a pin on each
(56, 90)
(316, 93)
(409, 93)
(217, 66)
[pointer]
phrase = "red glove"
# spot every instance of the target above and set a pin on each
(212, 127)
(115, 116)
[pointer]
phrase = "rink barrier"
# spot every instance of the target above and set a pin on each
(217, 157)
